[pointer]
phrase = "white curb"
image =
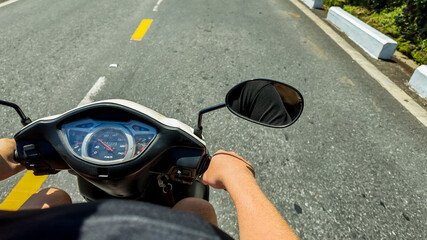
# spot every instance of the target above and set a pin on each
(314, 3)
(371, 40)
(419, 81)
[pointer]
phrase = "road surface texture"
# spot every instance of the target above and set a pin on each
(354, 165)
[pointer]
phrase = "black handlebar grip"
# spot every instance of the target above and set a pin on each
(204, 164)
(40, 157)
(16, 157)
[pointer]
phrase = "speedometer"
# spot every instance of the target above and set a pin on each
(108, 142)
(112, 143)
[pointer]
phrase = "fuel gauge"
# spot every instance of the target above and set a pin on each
(75, 138)
(141, 142)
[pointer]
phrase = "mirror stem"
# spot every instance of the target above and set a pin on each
(199, 129)
(24, 119)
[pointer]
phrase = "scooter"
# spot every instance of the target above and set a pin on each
(120, 149)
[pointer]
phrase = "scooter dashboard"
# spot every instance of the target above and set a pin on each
(108, 142)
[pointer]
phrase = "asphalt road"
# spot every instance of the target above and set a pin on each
(353, 166)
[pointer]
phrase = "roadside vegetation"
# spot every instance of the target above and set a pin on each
(403, 20)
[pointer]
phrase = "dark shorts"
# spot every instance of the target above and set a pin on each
(109, 219)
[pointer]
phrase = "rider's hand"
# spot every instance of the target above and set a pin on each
(8, 166)
(223, 167)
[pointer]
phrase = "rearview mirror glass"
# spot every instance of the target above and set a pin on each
(266, 102)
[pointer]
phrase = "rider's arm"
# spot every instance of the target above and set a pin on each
(258, 218)
(8, 166)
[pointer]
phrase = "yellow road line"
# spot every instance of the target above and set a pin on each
(27, 186)
(141, 30)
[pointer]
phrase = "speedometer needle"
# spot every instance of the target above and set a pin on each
(105, 145)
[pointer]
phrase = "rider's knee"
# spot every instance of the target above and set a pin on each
(46, 198)
(56, 195)
(198, 206)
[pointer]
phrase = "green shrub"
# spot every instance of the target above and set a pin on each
(419, 56)
(359, 12)
(384, 21)
(406, 48)
(376, 5)
(424, 45)
(330, 3)
(413, 20)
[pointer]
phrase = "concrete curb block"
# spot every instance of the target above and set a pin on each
(418, 81)
(314, 3)
(371, 40)
(3, 4)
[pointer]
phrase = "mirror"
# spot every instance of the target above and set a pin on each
(266, 102)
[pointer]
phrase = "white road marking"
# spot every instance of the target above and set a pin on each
(376, 74)
(7, 3)
(93, 91)
(87, 99)
(156, 8)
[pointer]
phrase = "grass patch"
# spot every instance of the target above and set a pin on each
(330, 3)
(382, 21)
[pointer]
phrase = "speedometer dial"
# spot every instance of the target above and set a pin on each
(108, 144)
